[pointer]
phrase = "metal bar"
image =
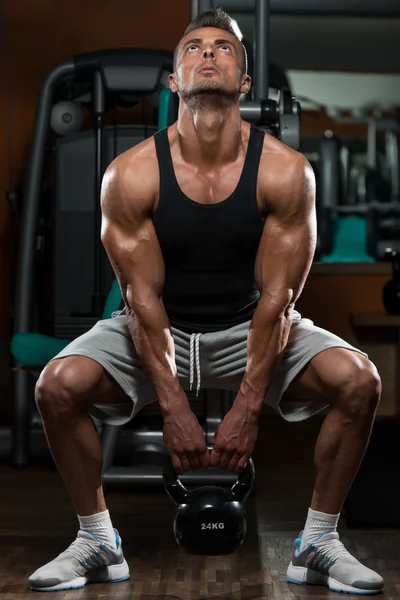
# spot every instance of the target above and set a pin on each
(26, 268)
(32, 199)
(98, 106)
(392, 156)
(152, 475)
(250, 111)
(203, 5)
(20, 443)
(261, 54)
(371, 144)
(109, 442)
(350, 8)
(194, 9)
(213, 411)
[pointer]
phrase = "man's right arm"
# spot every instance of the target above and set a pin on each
(131, 243)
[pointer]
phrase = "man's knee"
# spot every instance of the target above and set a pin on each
(359, 387)
(64, 385)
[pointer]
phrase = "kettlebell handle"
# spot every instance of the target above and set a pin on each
(178, 492)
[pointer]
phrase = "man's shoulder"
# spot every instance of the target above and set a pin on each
(282, 171)
(135, 170)
(280, 163)
(279, 154)
(130, 183)
(139, 157)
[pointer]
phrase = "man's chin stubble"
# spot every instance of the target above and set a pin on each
(209, 98)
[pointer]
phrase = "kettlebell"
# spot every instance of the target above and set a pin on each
(391, 289)
(209, 520)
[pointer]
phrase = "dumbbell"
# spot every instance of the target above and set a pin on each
(383, 229)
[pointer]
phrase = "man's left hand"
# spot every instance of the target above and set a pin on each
(234, 440)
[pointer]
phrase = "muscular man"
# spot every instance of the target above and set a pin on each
(210, 228)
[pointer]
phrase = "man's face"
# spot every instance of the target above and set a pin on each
(209, 69)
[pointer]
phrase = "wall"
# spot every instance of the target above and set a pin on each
(346, 90)
(330, 299)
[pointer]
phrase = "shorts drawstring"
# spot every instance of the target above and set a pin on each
(195, 358)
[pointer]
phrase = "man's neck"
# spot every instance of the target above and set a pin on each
(209, 137)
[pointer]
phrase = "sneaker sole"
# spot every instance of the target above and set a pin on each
(300, 576)
(111, 574)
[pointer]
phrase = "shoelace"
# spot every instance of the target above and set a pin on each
(331, 548)
(82, 549)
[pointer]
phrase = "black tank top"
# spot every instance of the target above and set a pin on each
(209, 250)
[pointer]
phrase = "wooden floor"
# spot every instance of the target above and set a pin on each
(37, 522)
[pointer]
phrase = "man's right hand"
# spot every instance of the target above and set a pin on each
(185, 442)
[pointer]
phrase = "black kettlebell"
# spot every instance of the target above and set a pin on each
(391, 289)
(209, 520)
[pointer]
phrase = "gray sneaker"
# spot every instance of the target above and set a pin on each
(327, 562)
(86, 560)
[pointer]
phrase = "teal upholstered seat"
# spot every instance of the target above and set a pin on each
(34, 350)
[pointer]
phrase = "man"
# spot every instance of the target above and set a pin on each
(210, 228)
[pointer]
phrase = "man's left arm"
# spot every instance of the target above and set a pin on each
(282, 265)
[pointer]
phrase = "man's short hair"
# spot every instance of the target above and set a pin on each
(218, 18)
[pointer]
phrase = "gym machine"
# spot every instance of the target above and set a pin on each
(93, 81)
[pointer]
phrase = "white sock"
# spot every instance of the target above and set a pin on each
(99, 524)
(317, 523)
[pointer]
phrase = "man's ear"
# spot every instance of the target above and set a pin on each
(172, 83)
(246, 84)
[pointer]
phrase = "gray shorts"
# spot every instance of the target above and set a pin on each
(209, 360)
